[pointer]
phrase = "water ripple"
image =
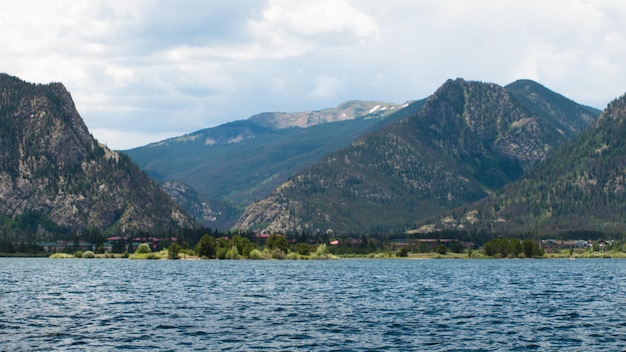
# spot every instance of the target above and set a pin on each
(366, 305)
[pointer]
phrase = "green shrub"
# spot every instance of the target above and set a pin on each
(402, 253)
(143, 249)
(292, 256)
(173, 250)
(89, 254)
(277, 241)
(206, 246)
(322, 252)
(233, 253)
(256, 254)
(78, 254)
(302, 248)
(125, 254)
(442, 249)
(220, 252)
(61, 256)
(278, 253)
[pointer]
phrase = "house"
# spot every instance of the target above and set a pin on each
(562, 244)
(261, 236)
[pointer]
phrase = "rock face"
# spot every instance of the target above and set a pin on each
(468, 139)
(55, 177)
(348, 110)
(196, 205)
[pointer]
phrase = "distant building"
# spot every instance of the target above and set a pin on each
(61, 246)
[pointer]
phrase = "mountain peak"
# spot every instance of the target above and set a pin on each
(348, 110)
(579, 187)
(616, 109)
(53, 172)
(468, 139)
(562, 113)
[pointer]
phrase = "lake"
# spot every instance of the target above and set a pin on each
(340, 305)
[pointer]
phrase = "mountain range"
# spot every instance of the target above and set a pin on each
(467, 140)
(56, 179)
(219, 171)
(580, 187)
(472, 156)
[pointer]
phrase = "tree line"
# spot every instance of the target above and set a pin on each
(512, 248)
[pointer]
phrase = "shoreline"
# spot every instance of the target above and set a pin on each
(424, 256)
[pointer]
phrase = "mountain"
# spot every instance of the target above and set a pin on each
(349, 110)
(468, 139)
(227, 167)
(580, 187)
(56, 178)
(557, 109)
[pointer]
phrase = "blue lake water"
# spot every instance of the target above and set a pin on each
(342, 305)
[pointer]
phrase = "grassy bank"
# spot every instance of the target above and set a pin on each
(25, 255)
(267, 255)
(565, 253)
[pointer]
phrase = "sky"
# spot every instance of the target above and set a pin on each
(142, 71)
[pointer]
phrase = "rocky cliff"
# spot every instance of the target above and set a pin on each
(55, 177)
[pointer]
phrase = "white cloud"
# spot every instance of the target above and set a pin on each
(326, 87)
(311, 18)
(120, 76)
(154, 68)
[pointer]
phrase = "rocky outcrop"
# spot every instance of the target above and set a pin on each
(348, 110)
(51, 166)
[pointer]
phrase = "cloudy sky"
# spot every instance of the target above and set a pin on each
(141, 71)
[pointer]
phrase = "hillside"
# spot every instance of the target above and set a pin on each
(467, 140)
(56, 179)
(562, 113)
(234, 164)
(582, 186)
